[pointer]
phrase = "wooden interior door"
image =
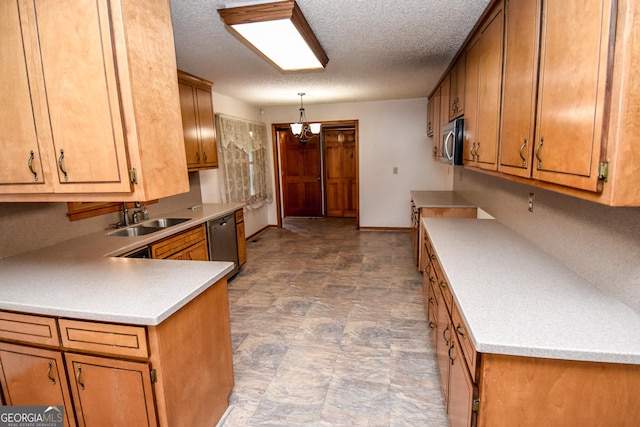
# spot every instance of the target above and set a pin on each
(301, 176)
(341, 183)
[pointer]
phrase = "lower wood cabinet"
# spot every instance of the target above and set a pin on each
(188, 245)
(111, 392)
(501, 390)
(34, 377)
(178, 373)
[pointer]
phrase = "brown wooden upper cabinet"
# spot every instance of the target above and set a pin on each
(435, 103)
(483, 82)
(89, 105)
(571, 84)
(456, 85)
(571, 81)
(198, 122)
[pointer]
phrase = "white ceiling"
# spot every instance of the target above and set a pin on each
(377, 49)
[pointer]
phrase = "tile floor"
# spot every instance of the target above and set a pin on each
(328, 329)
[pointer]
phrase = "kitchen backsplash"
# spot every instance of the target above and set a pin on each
(28, 226)
(600, 243)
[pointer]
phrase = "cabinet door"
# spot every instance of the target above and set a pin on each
(522, 39)
(574, 63)
(207, 128)
(34, 377)
(436, 122)
(197, 252)
(430, 117)
(445, 100)
(443, 343)
(489, 89)
(21, 161)
(472, 70)
(460, 402)
(456, 97)
(190, 124)
(110, 392)
(82, 96)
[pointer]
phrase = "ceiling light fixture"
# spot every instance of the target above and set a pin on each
(279, 32)
(304, 130)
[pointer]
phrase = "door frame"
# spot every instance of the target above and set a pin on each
(275, 146)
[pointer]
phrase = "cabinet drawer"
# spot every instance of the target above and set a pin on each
(29, 328)
(106, 338)
(166, 248)
(468, 349)
(239, 216)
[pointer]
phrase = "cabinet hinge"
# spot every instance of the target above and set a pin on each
(603, 171)
(475, 407)
(133, 176)
(154, 376)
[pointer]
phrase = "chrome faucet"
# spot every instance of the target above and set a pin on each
(125, 214)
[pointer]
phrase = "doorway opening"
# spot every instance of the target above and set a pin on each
(319, 178)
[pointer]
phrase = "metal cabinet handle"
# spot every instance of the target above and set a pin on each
(61, 165)
(522, 147)
(432, 325)
(449, 352)
(197, 157)
(538, 153)
(78, 379)
(53, 380)
(464, 337)
(446, 340)
(30, 163)
(432, 280)
(204, 154)
(477, 153)
(473, 149)
(443, 284)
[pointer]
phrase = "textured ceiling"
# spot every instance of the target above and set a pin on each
(378, 49)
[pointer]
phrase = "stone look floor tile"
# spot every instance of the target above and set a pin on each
(328, 329)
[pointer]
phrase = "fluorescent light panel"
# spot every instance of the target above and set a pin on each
(279, 32)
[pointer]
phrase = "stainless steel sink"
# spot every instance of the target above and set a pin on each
(138, 230)
(148, 227)
(164, 222)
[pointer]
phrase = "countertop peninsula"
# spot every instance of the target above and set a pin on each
(84, 278)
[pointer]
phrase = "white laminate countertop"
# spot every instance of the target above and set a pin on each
(439, 199)
(82, 278)
(518, 300)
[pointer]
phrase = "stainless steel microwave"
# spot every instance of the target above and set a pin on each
(451, 142)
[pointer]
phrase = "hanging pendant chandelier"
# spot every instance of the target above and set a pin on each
(304, 130)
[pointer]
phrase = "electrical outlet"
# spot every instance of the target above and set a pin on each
(532, 199)
(395, 170)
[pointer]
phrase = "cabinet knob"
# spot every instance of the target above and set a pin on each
(432, 325)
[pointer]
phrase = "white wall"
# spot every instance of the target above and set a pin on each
(599, 242)
(391, 133)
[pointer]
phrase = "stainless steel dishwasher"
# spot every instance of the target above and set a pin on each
(223, 246)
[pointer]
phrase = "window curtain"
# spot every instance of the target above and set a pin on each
(243, 160)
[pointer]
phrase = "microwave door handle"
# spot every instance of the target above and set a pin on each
(446, 145)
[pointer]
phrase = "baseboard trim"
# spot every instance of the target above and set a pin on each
(260, 231)
(385, 228)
